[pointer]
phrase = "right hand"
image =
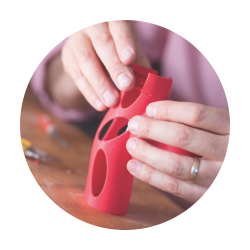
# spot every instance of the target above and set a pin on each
(93, 54)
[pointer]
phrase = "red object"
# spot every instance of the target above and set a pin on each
(109, 184)
(45, 123)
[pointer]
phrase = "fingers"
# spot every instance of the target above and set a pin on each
(209, 145)
(104, 46)
(123, 35)
(107, 48)
(71, 67)
(167, 183)
(127, 44)
(172, 164)
(92, 70)
(196, 115)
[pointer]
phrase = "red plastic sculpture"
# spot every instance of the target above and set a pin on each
(109, 184)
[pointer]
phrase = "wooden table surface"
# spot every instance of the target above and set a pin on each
(64, 181)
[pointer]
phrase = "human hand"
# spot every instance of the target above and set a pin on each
(92, 54)
(197, 128)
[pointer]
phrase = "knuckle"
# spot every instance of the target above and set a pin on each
(183, 136)
(143, 151)
(164, 110)
(177, 169)
(123, 37)
(101, 38)
(119, 23)
(99, 84)
(85, 89)
(83, 55)
(140, 149)
(113, 67)
(147, 175)
(147, 127)
(199, 114)
(172, 186)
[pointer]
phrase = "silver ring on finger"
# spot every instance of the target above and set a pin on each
(194, 170)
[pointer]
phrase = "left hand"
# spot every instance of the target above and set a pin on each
(197, 128)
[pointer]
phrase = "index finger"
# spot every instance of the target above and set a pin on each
(123, 35)
(127, 43)
(208, 118)
(103, 43)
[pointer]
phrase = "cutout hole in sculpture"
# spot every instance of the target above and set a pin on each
(130, 97)
(123, 130)
(113, 128)
(99, 173)
(105, 129)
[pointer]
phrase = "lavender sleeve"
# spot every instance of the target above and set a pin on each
(194, 79)
(37, 84)
(152, 39)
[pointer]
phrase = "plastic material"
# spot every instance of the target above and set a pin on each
(109, 184)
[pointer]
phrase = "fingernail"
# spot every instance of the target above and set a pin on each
(124, 80)
(131, 143)
(132, 166)
(109, 97)
(126, 53)
(151, 110)
(133, 124)
(99, 103)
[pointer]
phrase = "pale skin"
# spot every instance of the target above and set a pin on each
(95, 55)
(197, 128)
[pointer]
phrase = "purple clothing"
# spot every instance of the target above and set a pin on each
(194, 79)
